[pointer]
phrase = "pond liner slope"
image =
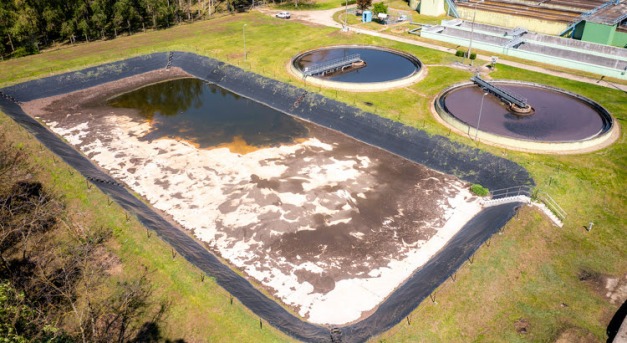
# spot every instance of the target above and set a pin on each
(435, 152)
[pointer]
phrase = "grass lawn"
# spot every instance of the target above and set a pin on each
(528, 276)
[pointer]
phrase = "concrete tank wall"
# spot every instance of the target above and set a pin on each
(496, 30)
(580, 45)
(596, 142)
(544, 47)
(434, 8)
(547, 40)
(529, 55)
(553, 52)
(476, 36)
(507, 20)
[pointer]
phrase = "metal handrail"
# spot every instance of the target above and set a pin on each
(516, 41)
(511, 192)
(501, 93)
(519, 31)
(331, 64)
(552, 205)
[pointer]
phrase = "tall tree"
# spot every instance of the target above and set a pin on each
(83, 15)
(52, 22)
(24, 28)
(68, 30)
(102, 16)
(363, 5)
(158, 10)
(6, 22)
(124, 13)
(24, 24)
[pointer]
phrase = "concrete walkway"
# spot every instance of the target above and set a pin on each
(325, 18)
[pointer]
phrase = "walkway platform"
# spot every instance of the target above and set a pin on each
(332, 65)
(502, 94)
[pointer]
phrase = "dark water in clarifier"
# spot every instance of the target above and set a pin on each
(208, 115)
(558, 117)
(381, 65)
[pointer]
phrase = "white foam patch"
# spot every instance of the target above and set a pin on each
(190, 184)
(350, 298)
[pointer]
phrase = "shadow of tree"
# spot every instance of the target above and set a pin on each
(151, 333)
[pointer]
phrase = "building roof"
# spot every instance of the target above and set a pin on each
(610, 15)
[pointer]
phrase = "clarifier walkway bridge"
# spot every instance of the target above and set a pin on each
(502, 94)
(332, 65)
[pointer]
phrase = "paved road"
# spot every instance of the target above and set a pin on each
(326, 18)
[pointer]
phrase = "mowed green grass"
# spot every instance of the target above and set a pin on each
(528, 272)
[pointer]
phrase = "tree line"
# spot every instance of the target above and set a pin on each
(26, 26)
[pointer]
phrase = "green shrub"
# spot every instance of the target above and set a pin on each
(460, 53)
(479, 190)
(473, 56)
(379, 7)
(22, 51)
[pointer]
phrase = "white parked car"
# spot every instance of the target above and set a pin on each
(283, 15)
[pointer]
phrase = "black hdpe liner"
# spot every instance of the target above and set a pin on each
(435, 152)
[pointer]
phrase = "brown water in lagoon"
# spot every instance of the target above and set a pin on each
(558, 116)
(209, 116)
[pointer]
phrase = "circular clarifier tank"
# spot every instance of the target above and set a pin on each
(357, 68)
(555, 119)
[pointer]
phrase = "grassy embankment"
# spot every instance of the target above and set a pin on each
(529, 272)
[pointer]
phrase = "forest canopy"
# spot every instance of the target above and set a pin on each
(26, 26)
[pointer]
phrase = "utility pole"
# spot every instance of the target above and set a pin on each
(244, 34)
(480, 110)
(345, 28)
(472, 28)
